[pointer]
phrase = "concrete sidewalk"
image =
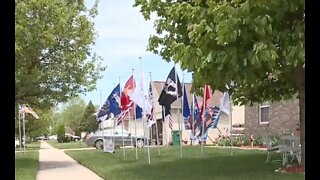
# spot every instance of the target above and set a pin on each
(54, 164)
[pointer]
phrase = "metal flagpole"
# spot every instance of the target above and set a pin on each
(19, 118)
(156, 124)
(144, 112)
(135, 122)
(114, 126)
(231, 137)
(129, 128)
(24, 131)
(193, 125)
(175, 71)
(165, 126)
(122, 123)
(203, 118)
(101, 124)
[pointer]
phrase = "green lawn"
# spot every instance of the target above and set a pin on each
(26, 165)
(67, 145)
(30, 146)
(213, 164)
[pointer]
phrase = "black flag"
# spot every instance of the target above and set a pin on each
(171, 88)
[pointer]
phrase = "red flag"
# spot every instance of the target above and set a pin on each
(208, 96)
(126, 103)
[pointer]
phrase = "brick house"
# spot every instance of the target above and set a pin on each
(275, 118)
(223, 125)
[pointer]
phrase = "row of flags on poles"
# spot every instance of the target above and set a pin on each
(134, 100)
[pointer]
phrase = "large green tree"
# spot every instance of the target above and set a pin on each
(53, 56)
(72, 113)
(256, 48)
(89, 120)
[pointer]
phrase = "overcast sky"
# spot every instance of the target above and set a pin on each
(122, 38)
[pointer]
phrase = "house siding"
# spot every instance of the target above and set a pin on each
(284, 117)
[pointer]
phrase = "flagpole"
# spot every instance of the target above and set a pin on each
(114, 126)
(122, 123)
(19, 118)
(193, 125)
(129, 127)
(231, 137)
(157, 135)
(102, 121)
(203, 118)
(24, 131)
(165, 126)
(176, 79)
(144, 111)
(135, 120)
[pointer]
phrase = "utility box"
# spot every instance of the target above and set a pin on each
(175, 137)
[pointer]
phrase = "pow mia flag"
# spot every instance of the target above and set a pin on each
(171, 89)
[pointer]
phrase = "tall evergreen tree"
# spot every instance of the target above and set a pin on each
(89, 122)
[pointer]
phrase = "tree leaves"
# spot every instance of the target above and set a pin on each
(53, 56)
(240, 41)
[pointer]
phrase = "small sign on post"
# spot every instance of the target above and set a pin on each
(108, 146)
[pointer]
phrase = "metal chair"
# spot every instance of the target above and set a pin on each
(270, 148)
(290, 146)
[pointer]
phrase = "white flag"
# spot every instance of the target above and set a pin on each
(141, 97)
(225, 103)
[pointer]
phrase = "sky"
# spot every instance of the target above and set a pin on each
(122, 38)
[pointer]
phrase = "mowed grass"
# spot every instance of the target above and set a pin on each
(26, 165)
(30, 146)
(67, 145)
(215, 163)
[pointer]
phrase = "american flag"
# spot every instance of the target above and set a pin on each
(169, 119)
(123, 114)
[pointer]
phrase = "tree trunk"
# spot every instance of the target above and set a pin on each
(300, 82)
(302, 123)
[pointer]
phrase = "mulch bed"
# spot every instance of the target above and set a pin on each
(291, 169)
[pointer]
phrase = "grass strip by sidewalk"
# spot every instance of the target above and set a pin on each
(67, 145)
(26, 165)
(215, 163)
(30, 146)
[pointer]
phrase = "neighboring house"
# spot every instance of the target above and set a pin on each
(275, 118)
(223, 125)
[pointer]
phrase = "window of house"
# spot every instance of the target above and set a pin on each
(264, 114)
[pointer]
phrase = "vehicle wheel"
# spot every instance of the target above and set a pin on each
(76, 140)
(98, 144)
(139, 143)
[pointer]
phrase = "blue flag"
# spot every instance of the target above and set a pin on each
(112, 105)
(138, 112)
(186, 110)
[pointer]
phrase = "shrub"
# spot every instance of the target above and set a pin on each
(258, 141)
(61, 134)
